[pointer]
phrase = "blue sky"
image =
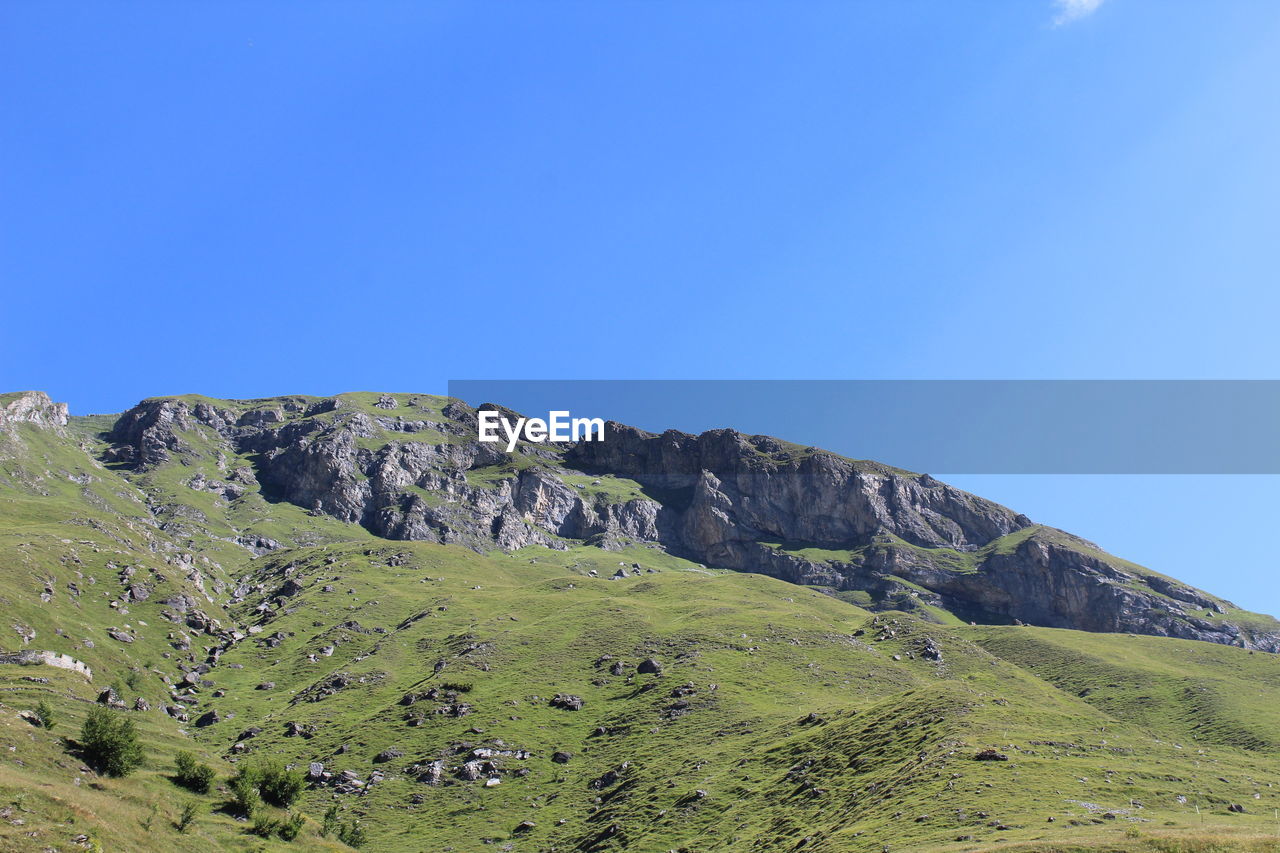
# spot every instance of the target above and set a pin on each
(261, 198)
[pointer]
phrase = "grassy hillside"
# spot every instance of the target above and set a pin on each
(778, 718)
(886, 758)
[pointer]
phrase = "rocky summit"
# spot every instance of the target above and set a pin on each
(409, 468)
(372, 630)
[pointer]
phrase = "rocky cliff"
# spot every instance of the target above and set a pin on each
(32, 407)
(409, 467)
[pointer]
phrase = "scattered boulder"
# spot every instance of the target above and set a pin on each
(649, 666)
(609, 778)
(430, 773)
(567, 702)
(290, 588)
(295, 729)
(111, 698)
(990, 755)
(472, 771)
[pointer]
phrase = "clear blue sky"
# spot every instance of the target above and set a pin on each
(247, 199)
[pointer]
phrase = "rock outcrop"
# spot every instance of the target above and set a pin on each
(32, 407)
(750, 503)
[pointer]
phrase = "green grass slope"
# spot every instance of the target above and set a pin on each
(781, 718)
(719, 751)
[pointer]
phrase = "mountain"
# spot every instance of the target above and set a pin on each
(655, 642)
(408, 467)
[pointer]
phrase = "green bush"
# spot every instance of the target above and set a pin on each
(264, 826)
(352, 834)
(189, 812)
(280, 786)
(110, 742)
(244, 791)
(291, 827)
(191, 774)
(331, 823)
(46, 714)
(459, 686)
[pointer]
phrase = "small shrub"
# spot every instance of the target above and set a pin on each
(244, 791)
(352, 834)
(292, 826)
(110, 742)
(458, 686)
(188, 816)
(331, 823)
(191, 774)
(150, 819)
(265, 827)
(46, 714)
(280, 786)
(133, 679)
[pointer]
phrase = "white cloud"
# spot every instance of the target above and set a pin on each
(1074, 10)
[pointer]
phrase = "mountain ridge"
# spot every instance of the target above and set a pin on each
(210, 571)
(749, 503)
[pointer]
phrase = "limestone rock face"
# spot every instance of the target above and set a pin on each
(812, 497)
(722, 498)
(739, 501)
(32, 407)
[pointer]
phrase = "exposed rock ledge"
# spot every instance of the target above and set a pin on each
(32, 407)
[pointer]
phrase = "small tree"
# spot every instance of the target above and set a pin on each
(191, 774)
(352, 834)
(188, 816)
(244, 791)
(45, 713)
(280, 786)
(110, 742)
(292, 826)
(265, 826)
(331, 822)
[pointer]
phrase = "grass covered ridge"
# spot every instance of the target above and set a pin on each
(779, 718)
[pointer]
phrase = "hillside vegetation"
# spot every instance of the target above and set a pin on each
(561, 695)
